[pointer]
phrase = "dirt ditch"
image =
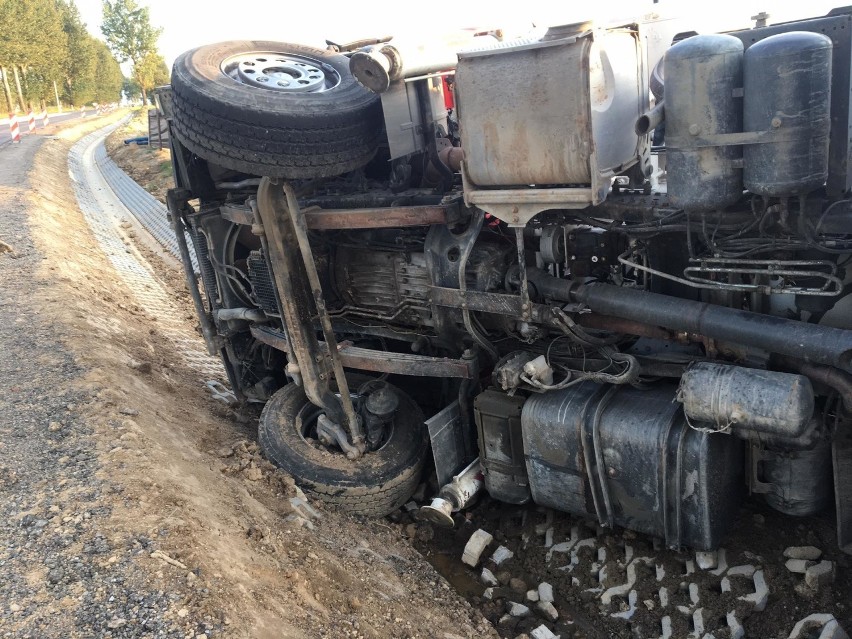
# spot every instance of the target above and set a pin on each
(163, 519)
(605, 583)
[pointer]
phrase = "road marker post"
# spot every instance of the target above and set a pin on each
(14, 130)
(31, 119)
(45, 119)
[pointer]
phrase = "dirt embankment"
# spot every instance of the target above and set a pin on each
(147, 165)
(178, 503)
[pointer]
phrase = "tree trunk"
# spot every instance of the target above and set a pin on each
(56, 95)
(27, 88)
(7, 91)
(18, 87)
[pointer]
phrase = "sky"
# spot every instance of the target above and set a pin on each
(189, 23)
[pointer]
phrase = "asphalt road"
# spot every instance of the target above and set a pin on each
(5, 134)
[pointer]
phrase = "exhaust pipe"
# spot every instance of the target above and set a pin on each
(649, 121)
(454, 496)
(810, 342)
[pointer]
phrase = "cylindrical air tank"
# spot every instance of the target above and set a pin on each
(787, 88)
(701, 74)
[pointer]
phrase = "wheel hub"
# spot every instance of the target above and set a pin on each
(281, 72)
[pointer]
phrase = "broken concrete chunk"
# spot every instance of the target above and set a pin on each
(542, 632)
(545, 591)
(706, 559)
(820, 574)
(517, 609)
(811, 553)
(827, 623)
(502, 554)
(487, 577)
(547, 609)
(798, 565)
(761, 593)
(488, 594)
(475, 547)
(532, 595)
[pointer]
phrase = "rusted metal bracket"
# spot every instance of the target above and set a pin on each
(380, 361)
(373, 218)
(404, 364)
(698, 141)
(376, 218)
(285, 229)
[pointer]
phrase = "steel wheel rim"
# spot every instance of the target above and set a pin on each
(285, 72)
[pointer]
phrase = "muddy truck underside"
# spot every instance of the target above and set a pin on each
(633, 314)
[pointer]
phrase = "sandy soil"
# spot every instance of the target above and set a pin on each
(759, 539)
(216, 540)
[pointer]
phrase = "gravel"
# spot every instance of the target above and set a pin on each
(64, 573)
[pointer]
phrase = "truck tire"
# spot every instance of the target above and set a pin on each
(274, 109)
(373, 486)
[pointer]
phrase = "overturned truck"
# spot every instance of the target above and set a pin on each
(467, 247)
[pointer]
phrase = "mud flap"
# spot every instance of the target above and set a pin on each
(842, 457)
(449, 443)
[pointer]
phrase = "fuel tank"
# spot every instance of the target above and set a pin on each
(628, 457)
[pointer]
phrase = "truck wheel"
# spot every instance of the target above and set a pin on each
(375, 485)
(274, 109)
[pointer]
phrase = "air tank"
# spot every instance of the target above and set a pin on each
(701, 74)
(787, 89)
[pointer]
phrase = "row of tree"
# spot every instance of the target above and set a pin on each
(47, 55)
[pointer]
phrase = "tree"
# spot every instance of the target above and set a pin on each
(81, 59)
(151, 72)
(110, 79)
(129, 33)
(33, 46)
(130, 88)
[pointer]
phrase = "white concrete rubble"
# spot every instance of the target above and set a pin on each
(517, 609)
(502, 554)
(666, 624)
(722, 558)
(487, 577)
(706, 559)
(475, 547)
(632, 598)
(548, 610)
(542, 632)
(761, 593)
(827, 623)
(532, 595)
(623, 589)
(811, 553)
(798, 565)
(734, 626)
(545, 591)
(820, 574)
